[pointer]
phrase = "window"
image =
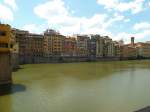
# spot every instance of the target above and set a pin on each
(3, 45)
(2, 33)
(11, 46)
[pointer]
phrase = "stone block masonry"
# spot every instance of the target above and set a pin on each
(5, 69)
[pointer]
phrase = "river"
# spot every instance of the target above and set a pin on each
(121, 86)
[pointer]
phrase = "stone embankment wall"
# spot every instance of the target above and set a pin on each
(61, 59)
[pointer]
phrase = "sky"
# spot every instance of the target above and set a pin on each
(119, 19)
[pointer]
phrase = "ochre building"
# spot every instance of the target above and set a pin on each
(6, 45)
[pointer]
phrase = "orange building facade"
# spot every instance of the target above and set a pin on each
(70, 46)
(6, 38)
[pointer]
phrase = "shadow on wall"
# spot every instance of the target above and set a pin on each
(16, 69)
(11, 89)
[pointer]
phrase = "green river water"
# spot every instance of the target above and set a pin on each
(79, 87)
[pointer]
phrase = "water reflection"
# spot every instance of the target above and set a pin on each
(10, 89)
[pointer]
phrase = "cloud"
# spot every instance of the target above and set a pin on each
(116, 17)
(6, 13)
(142, 26)
(60, 17)
(134, 6)
(127, 20)
(139, 37)
(142, 33)
(33, 28)
(11, 3)
(52, 8)
(7, 10)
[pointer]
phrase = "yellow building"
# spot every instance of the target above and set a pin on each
(6, 38)
(53, 44)
(47, 46)
(57, 44)
(143, 49)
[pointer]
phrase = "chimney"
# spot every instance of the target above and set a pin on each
(132, 41)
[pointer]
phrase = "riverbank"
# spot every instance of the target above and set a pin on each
(20, 60)
(61, 59)
(67, 59)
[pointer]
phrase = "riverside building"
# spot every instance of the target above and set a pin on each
(24, 46)
(70, 46)
(54, 43)
(100, 44)
(143, 49)
(129, 51)
(36, 47)
(83, 48)
(109, 48)
(93, 47)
